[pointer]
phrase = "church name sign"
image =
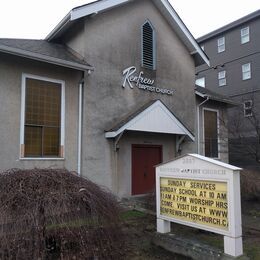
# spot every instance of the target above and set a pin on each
(203, 193)
(133, 79)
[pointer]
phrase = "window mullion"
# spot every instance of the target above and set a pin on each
(42, 140)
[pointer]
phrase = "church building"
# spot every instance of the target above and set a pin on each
(109, 93)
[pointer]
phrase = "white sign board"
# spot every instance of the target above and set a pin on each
(203, 193)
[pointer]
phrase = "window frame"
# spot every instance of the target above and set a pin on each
(245, 36)
(221, 45)
(218, 130)
(246, 71)
(247, 108)
(153, 44)
(222, 78)
(22, 121)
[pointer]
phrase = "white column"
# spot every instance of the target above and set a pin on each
(163, 226)
(233, 244)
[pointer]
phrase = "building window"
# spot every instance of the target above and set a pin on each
(42, 133)
(246, 71)
(222, 81)
(200, 82)
(245, 36)
(248, 108)
(148, 46)
(211, 133)
(221, 44)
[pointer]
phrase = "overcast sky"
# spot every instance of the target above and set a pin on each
(34, 19)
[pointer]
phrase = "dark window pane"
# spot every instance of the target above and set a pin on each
(211, 133)
(33, 141)
(51, 141)
(43, 101)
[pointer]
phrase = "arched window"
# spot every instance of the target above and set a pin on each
(148, 46)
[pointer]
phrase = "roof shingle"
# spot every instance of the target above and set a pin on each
(204, 92)
(43, 49)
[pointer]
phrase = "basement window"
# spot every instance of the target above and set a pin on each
(148, 46)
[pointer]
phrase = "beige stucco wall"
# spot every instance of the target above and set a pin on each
(11, 69)
(112, 43)
(124, 153)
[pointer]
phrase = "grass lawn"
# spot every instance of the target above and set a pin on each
(140, 228)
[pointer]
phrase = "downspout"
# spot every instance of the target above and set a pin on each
(116, 150)
(81, 87)
(179, 141)
(81, 84)
(198, 116)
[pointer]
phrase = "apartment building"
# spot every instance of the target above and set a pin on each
(234, 53)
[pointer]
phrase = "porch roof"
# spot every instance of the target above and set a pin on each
(153, 117)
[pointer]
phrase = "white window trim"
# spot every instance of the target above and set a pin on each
(220, 45)
(154, 45)
(245, 35)
(22, 121)
(222, 78)
(203, 130)
(249, 63)
(251, 107)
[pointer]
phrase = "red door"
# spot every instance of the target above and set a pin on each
(144, 158)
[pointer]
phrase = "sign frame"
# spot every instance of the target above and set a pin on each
(190, 223)
(206, 169)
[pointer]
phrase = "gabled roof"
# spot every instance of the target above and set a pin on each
(205, 159)
(163, 5)
(216, 162)
(230, 26)
(206, 93)
(153, 117)
(42, 50)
